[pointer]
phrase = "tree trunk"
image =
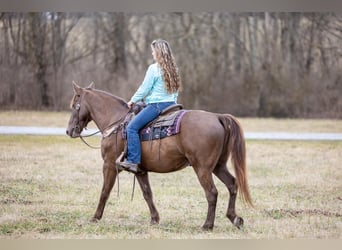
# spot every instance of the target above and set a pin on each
(37, 33)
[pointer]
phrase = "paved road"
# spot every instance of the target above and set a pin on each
(18, 130)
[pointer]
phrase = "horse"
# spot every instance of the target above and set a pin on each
(205, 143)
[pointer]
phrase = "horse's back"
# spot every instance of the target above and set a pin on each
(201, 123)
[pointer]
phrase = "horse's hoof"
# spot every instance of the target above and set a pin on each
(207, 227)
(154, 222)
(238, 222)
(94, 220)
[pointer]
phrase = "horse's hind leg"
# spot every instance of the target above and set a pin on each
(206, 180)
(109, 175)
(147, 193)
(223, 174)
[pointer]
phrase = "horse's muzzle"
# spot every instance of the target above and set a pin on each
(68, 133)
(72, 133)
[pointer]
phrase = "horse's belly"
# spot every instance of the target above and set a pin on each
(162, 156)
(164, 167)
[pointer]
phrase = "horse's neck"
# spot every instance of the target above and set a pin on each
(106, 110)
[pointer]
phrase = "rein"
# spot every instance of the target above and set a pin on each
(115, 131)
(90, 146)
(99, 131)
(86, 143)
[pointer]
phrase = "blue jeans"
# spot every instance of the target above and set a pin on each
(149, 113)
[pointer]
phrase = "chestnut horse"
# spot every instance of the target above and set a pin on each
(205, 142)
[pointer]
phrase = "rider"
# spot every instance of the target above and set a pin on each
(160, 90)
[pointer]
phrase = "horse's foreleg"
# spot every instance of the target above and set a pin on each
(223, 174)
(206, 180)
(147, 193)
(109, 175)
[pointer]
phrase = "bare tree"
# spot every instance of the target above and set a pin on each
(112, 30)
(61, 24)
(262, 63)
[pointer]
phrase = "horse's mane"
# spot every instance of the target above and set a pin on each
(116, 98)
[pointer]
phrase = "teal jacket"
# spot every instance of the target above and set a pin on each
(152, 88)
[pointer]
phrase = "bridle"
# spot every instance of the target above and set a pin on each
(77, 127)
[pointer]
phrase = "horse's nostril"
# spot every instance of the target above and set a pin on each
(67, 132)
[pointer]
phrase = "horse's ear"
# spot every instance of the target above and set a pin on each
(77, 89)
(91, 85)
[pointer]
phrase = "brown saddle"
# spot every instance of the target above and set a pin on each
(137, 107)
(166, 118)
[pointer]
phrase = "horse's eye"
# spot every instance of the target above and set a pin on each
(77, 106)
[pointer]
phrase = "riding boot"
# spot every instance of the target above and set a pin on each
(130, 167)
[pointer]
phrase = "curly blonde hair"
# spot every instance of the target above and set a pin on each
(165, 59)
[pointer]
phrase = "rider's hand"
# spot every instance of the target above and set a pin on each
(130, 104)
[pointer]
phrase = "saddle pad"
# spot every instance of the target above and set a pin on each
(162, 127)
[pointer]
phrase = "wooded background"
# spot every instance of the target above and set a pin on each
(247, 64)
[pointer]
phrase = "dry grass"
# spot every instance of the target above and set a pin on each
(34, 118)
(49, 188)
(291, 125)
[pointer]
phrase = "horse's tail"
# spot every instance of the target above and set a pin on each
(234, 139)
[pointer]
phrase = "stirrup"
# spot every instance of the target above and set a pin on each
(119, 165)
(120, 159)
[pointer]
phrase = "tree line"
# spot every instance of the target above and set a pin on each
(248, 64)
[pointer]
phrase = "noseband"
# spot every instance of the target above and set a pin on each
(77, 107)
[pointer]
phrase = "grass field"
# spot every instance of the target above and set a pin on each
(50, 186)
